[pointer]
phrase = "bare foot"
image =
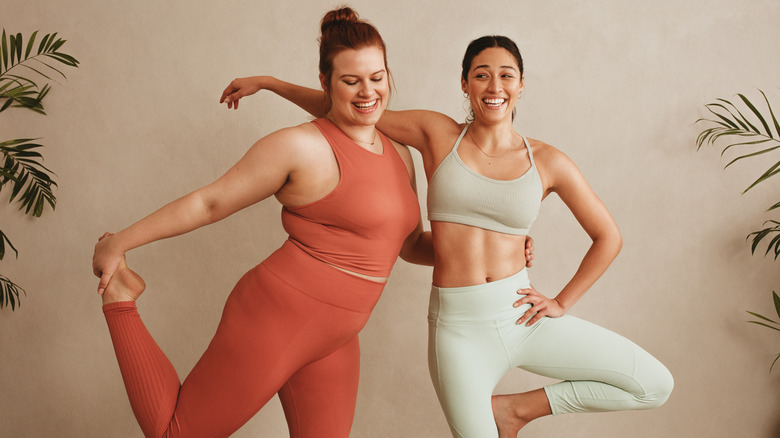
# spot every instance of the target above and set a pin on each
(125, 285)
(508, 421)
(513, 411)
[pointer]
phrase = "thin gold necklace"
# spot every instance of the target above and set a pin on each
(373, 139)
(471, 135)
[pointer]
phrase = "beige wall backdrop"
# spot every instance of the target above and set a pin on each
(615, 84)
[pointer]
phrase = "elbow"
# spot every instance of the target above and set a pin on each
(618, 242)
(408, 253)
(416, 251)
(610, 241)
(210, 209)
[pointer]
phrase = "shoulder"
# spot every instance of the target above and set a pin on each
(556, 169)
(293, 135)
(547, 155)
(305, 137)
(291, 147)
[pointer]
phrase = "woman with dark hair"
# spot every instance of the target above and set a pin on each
(290, 324)
(485, 185)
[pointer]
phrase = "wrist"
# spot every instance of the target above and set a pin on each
(561, 304)
(119, 244)
(269, 83)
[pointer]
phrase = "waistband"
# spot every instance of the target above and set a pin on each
(321, 281)
(481, 302)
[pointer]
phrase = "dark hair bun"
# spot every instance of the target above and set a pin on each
(338, 16)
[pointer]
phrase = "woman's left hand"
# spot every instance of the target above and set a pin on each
(238, 88)
(541, 306)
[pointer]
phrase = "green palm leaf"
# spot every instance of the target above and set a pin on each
(27, 175)
(774, 243)
(3, 240)
(738, 132)
(14, 53)
(9, 293)
(766, 322)
(22, 169)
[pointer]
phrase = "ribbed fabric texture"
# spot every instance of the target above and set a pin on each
(457, 193)
(150, 379)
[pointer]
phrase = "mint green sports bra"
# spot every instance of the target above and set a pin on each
(457, 193)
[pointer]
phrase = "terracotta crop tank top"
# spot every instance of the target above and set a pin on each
(360, 225)
(457, 193)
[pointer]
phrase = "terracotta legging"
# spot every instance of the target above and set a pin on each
(289, 327)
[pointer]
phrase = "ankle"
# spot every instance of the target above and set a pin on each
(125, 285)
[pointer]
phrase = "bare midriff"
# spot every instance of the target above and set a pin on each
(467, 256)
(367, 277)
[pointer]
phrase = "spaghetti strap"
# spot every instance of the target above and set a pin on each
(460, 137)
(530, 154)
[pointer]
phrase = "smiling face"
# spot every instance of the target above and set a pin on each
(493, 83)
(359, 86)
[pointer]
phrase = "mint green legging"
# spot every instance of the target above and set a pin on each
(474, 341)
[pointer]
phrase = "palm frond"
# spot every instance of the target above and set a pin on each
(3, 240)
(735, 128)
(766, 322)
(9, 293)
(27, 176)
(15, 53)
(774, 242)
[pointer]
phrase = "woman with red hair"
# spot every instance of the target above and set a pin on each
(290, 325)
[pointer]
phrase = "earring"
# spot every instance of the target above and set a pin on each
(466, 95)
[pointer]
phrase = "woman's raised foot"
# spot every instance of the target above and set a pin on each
(508, 421)
(513, 411)
(125, 285)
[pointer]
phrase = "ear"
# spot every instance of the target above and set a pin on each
(522, 83)
(324, 84)
(464, 85)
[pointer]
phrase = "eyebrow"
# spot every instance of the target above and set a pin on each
(487, 66)
(355, 76)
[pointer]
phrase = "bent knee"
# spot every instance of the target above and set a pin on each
(658, 388)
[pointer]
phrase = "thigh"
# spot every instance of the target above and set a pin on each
(569, 348)
(319, 399)
(268, 331)
(466, 361)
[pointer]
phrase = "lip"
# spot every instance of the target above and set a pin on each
(366, 107)
(494, 102)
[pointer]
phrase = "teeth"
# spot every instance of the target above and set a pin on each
(365, 105)
(494, 101)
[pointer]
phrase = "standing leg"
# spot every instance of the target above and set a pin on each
(319, 400)
(466, 362)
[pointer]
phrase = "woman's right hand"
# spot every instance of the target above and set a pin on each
(105, 260)
(239, 88)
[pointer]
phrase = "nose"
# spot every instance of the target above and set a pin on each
(365, 88)
(494, 85)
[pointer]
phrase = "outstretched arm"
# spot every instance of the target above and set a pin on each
(309, 99)
(416, 128)
(259, 174)
(568, 182)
